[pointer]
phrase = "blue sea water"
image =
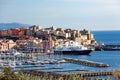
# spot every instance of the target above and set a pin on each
(109, 57)
(108, 37)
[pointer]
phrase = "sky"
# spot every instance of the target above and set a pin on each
(75, 14)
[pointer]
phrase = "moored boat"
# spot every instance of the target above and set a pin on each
(72, 48)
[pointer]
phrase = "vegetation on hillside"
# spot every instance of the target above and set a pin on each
(8, 74)
(116, 74)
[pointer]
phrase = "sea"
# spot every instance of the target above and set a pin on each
(108, 37)
(108, 57)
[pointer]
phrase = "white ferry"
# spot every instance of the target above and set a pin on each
(72, 48)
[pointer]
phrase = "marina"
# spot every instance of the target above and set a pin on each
(81, 62)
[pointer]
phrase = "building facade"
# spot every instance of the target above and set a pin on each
(6, 44)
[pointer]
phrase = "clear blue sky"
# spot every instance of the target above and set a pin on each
(78, 14)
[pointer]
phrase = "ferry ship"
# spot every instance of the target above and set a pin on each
(72, 48)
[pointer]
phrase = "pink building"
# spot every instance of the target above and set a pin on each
(48, 45)
(3, 46)
(6, 44)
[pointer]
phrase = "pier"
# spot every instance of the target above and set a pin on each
(86, 62)
(108, 48)
(68, 71)
(94, 73)
(84, 74)
(36, 69)
(111, 47)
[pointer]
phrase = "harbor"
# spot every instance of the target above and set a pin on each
(60, 58)
(52, 59)
(61, 64)
(60, 40)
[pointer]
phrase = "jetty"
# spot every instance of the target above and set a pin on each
(108, 48)
(111, 47)
(93, 73)
(83, 74)
(69, 71)
(86, 62)
(36, 69)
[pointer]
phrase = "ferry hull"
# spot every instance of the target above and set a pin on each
(82, 52)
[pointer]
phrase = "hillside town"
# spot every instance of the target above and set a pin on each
(39, 39)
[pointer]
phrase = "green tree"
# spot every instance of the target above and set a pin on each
(9, 74)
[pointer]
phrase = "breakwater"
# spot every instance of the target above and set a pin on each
(36, 69)
(86, 62)
(44, 74)
(111, 47)
(83, 74)
(108, 48)
(94, 73)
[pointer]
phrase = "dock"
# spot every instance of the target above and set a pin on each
(80, 74)
(69, 71)
(36, 69)
(30, 66)
(86, 62)
(111, 48)
(94, 73)
(108, 48)
(86, 73)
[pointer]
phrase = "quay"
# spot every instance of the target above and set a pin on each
(108, 48)
(24, 66)
(29, 66)
(35, 53)
(69, 71)
(111, 47)
(36, 69)
(83, 74)
(94, 73)
(86, 62)
(44, 74)
(12, 57)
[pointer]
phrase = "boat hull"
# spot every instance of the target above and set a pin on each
(82, 52)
